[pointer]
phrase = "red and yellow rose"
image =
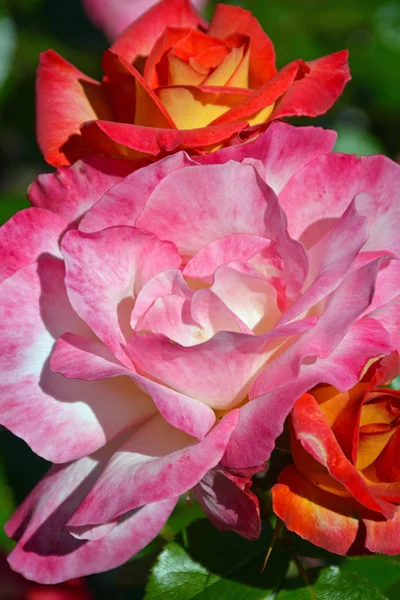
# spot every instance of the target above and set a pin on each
(343, 491)
(172, 82)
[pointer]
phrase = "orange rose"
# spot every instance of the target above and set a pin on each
(343, 491)
(173, 82)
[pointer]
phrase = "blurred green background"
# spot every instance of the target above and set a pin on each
(367, 118)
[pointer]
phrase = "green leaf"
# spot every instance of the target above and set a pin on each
(11, 204)
(331, 583)
(217, 566)
(184, 515)
(7, 507)
(7, 46)
(381, 571)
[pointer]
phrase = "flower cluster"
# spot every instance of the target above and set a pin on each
(164, 320)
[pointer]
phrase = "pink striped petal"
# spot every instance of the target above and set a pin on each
(122, 204)
(47, 553)
(191, 220)
(330, 259)
(326, 187)
(71, 191)
(283, 150)
(156, 462)
(218, 372)
(237, 246)
(102, 284)
(72, 418)
(79, 358)
(40, 231)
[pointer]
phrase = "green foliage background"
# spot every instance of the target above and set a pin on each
(191, 559)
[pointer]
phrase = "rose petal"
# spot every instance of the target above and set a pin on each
(139, 37)
(47, 553)
(65, 98)
(315, 92)
(40, 231)
(72, 418)
(154, 453)
(71, 191)
(122, 204)
(317, 516)
(102, 285)
(229, 503)
(230, 20)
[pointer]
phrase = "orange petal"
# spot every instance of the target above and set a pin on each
(231, 20)
(316, 473)
(342, 411)
(317, 438)
(182, 73)
(133, 141)
(387, 465)
(383, 536)
(165, 42)
(195, 107)
(148, 109)
(210, 58)
(317, 90)
(226, 69)
(322, 518)
(240, 77)
(139, 37)
(196, 42)
(257, 107)
(65, 98)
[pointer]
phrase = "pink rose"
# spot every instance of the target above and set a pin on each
(112, 16)
(159, 325)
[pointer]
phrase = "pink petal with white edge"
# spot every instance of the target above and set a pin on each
(72, 418)
(229, 503)
(79, 358)
(283, 150)
(122, 204)
(192, 220)
(318, 194)
(248, 295)
(102, 285)
(71, 191)
(40, 231)
(166, 283)
(262, 419)
(330, 259)
(238, 246)
(188, 213)
(389, 317)
(218, 372)
(47, 553)
(341, 311)
(335, 351)
(189, 323)
(156, 462)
